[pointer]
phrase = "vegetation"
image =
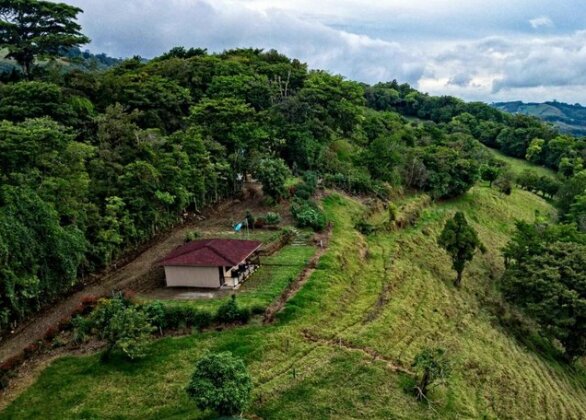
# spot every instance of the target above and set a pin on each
(123, 326)
(221, 383)
(93, 164)
(434, 369)
(460, 241)
(38, 28)
(310, 363)
(545, 276)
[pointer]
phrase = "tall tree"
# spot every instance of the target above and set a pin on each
(31, 28)
(460, 241)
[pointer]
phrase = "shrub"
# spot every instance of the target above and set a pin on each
(155, 312)
(230, 312)
(51, 333)
(433, 368)
(220, 382)
(199, 319)
(307, 214)
(81, 329)
(124, 327)
(364, 227)
(273, 218)
(177, 316)
(192, 236)
(257, 310)
(504, 183)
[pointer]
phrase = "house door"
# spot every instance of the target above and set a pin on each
(222, 278)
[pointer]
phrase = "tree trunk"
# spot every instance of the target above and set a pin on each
(422, 387)
(458, 280)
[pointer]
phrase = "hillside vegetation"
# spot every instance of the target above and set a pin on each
(98, 163)
(340, 345)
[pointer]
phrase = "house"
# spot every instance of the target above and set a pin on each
(211, 263)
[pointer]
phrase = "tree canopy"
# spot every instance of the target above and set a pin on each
(460, 241)
(32, 28)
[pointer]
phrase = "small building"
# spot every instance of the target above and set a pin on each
(211, 263)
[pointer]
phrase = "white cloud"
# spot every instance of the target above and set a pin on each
(541, 22)
(473, 49)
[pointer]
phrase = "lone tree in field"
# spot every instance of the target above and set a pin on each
(433, 367)
(221, 383)
(31, 28)
(460, 241)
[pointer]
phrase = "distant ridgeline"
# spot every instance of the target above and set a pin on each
(568, 118)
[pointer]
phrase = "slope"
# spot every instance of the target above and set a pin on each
(340, 346)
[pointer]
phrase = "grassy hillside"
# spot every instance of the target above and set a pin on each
(518, 165)
(337, 349)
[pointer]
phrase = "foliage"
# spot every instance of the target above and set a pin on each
(110, 157)
(230, 312)
(272, 218)
(545, 276)
(504, 182)
(433, 368)
(307, 214)
(272, 173)
(220, 382)
(192, 236)
(38, 28)
(123, 326)
(460, 241)
(489, 173)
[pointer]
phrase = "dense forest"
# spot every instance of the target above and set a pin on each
(94, 162)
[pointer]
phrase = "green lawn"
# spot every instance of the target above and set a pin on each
(389, 292)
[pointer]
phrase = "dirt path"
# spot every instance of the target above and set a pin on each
(366, 351)
(323, 241)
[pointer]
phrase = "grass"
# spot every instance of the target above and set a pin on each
(389, 292)
(518, 165)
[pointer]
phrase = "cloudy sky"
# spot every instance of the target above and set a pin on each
(532, 50)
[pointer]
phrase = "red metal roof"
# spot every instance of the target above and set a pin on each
(211, 253)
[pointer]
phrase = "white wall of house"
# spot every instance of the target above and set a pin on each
(184, 276)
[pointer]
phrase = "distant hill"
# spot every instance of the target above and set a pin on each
(569, 118)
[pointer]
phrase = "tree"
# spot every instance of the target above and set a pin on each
(433, 368)
(31, 28)
(220, 382)
(489, 173)
(549, 285)
(504, 182)
(123, 326)
(272, 173)
(460, 241)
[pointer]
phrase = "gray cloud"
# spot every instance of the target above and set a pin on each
(477, 50)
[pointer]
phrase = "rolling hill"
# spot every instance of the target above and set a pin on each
(568, 118)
